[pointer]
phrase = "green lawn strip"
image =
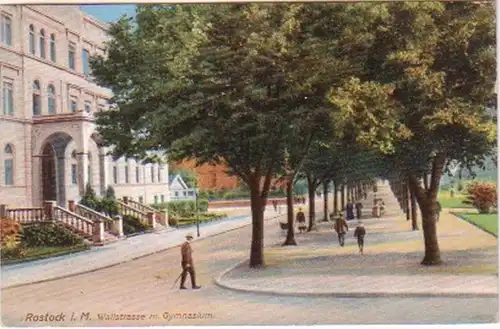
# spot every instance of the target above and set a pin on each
(202, 218)
(37, 253)
(486, 222)
(456, 202)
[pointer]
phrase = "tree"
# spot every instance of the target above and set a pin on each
(427, 106)
(90, 199)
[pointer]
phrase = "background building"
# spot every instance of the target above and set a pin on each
(211, 177)
(49, 147)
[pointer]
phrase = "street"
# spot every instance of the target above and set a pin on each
(121, 294)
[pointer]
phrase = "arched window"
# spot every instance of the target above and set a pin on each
(42, 43)
(32, 40)
(8, 155)
(51, 97)
(53, 47)
(37, 105)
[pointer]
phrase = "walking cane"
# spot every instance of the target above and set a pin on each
(176, 281)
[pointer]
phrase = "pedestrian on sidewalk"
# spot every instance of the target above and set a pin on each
(349, 208)
(359, 206)
(341, 228)
(301, 219)
(275, 205)
(359, 233)
(187, 263)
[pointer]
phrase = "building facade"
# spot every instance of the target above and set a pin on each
(49, 146)
(211, 177)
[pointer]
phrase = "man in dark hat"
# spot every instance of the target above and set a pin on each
(187, 263)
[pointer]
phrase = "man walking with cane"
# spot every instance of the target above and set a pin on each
(187, 263)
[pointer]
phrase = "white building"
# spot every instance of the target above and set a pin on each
(179, 190)
(49, 146)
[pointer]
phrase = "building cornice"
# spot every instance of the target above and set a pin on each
(64, 117)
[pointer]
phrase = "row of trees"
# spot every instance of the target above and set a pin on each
(327, 92)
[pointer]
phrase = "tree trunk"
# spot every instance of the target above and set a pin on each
(311, 194)
(413, 202)
(257, 246)
(290, 236)
(432, 252)
(427, 201)
(407, 201)
(335, 197)
(325, 201)
(342, 197)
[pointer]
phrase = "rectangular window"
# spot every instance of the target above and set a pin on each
(137, 174)
(9, 172)
(37, 105)
(73, 174)
(152, 174)
(159, 175)
(8, 99)
(115, 175)
(88, 106)
(73, 105)
(89, 173)
(176, 193)
(85, 62)
(156, 199)
(71, 55)
(6, 30)
(162, 198)
(126, 174)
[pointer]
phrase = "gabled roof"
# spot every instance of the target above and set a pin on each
(172, 178)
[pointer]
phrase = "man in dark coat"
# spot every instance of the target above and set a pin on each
(341, 228)
(359, 206)
(187, 263)
(301, 219)
(360, 232)
(349, 209)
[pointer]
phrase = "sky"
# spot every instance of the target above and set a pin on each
(108, 13)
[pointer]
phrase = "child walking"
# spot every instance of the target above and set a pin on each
(360, 232)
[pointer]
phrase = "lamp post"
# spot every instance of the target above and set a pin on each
(197, 215)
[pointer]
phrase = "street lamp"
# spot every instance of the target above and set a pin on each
(197, 215)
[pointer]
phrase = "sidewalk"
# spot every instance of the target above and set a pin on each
(116, 253)
(390, 266)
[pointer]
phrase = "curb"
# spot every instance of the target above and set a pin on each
(128, 260)
(458, 215)
(219, 282)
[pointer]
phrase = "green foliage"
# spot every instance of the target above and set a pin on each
(90, 199)
(483, 196)
(49, 234)
(184, 208)
(108, 204)
(133, 225)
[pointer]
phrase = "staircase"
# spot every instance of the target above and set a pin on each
(146, 214)
(90, 225)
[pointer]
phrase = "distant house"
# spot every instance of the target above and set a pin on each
(179, 190)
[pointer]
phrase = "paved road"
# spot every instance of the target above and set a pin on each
(143, 286)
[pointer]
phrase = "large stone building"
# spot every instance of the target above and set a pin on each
(49, 148)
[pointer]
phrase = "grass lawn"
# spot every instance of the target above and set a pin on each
(487, 222)
(202, 218)
(456, 202)
(35, 253)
